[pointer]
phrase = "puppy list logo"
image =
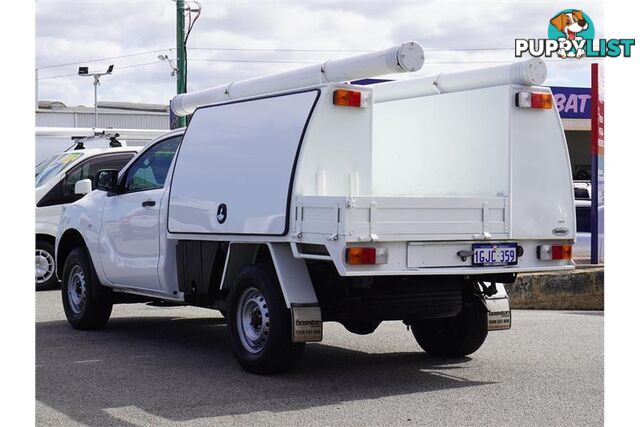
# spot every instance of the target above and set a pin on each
(571, 34)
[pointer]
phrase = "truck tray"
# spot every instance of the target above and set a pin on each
(359, 218)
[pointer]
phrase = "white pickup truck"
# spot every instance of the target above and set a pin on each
(56, 179)
(296, 199)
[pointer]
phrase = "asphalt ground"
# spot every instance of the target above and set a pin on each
(166, 366)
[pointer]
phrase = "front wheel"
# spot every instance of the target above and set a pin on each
(259, 323)
(45, 266)
(455, 336)
(87, 304)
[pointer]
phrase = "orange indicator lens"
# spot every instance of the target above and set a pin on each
(347, 98)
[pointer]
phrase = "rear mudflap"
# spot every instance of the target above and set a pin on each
(498, 309)
(306, 323)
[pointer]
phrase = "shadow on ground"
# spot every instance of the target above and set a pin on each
(183, 369)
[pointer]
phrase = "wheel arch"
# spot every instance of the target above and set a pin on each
(46, 237)
(292, 272)
(69, 240)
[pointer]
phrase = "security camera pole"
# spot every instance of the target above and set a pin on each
(84, 72)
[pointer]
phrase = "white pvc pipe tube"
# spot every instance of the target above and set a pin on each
(406, 57)
(532, 72)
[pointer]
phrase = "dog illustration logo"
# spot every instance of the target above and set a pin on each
(570, 25)
(571, 34)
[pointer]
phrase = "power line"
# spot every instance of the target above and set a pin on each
(266, 61)
(497, 61)
(231, 49)
(266, 49)
(259, 61)
(316, 2)
(193, 59)
(433, 49)
(119, 68)
(106, 58)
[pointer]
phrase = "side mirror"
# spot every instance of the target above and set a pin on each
(107, 180)
(82, 187)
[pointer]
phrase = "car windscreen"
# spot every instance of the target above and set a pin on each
(53, 166)
(43, 164)
(583, 219)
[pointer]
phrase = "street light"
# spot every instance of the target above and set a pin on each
(84, 72)
(170, 62)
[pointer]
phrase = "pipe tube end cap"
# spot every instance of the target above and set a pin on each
(410, 56)
(535, 71)
(176, 106)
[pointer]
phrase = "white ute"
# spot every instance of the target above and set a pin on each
(296, 199)
(56, 179)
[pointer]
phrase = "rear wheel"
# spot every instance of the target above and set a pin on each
(45, 266)
(455, 336)
(259, 323)
(87, 304)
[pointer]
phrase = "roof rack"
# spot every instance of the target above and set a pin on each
(406, 57)
(531, 72)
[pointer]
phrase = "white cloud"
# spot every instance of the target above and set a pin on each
(70, 31)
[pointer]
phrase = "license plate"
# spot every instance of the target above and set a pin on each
(494, 254)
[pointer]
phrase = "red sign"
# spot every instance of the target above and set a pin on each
(597, 161)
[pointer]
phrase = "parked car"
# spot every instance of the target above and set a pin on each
(582, 190)
(55, 186)
(582, 246)
(295, 199)
(53, 140)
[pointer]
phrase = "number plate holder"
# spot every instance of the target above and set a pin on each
(494, 254)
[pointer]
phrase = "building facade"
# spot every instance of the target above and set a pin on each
(574, 106)
(123, 115)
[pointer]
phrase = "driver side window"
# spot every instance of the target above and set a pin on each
(89, 169)
(150, 170)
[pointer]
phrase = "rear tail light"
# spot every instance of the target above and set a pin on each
(534, 100)
(366, 256)
(349, 98)
(554, 252)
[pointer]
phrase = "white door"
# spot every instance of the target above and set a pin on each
(130, 235)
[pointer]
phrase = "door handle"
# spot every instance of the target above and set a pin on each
(148, 203)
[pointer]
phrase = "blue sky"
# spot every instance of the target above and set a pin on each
(456, 35)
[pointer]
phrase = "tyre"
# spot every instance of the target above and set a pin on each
(455, 336)
(259, 323)
(87, 304)
(45, 266)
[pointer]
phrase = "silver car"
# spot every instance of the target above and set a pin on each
(582, 247)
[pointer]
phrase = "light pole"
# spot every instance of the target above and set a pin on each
(84, 72)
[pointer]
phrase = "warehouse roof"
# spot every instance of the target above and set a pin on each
(104, 107)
